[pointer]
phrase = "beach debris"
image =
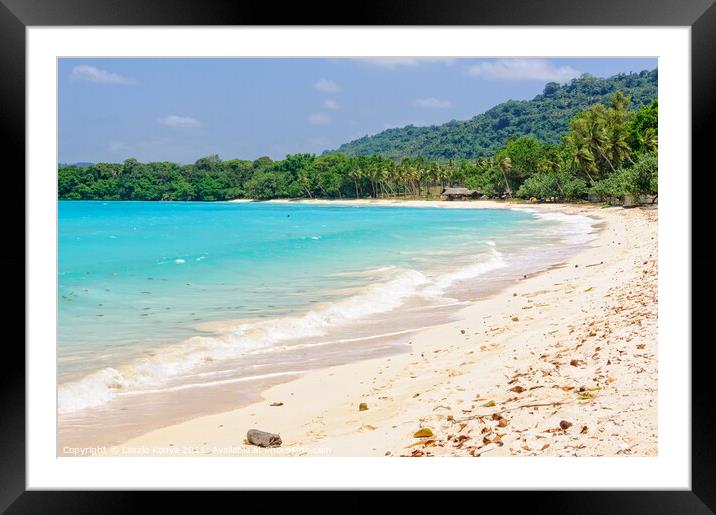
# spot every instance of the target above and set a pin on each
(263, 439)
(489, 404)
(423, 432)
(565, 424)
(517, 389)
(363, 406)
(515, 319)
(277, 403)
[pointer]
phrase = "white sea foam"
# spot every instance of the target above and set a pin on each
(575, 229)
(93, 390)
(487, 262)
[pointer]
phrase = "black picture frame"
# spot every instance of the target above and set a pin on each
(16, 15)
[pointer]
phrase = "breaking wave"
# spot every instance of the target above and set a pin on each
(151, 371)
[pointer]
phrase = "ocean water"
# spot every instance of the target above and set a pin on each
(158, 297)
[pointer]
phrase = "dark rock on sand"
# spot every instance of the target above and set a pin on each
(263, 439)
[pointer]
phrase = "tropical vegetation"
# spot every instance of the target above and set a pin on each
(546, 117)
(609, 151)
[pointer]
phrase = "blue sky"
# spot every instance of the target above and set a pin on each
(183, 109)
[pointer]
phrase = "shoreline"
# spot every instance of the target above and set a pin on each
(320, 416)
(130, 416)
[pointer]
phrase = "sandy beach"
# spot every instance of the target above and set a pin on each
(562, 363)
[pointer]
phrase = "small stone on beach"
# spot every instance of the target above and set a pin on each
(263, 439)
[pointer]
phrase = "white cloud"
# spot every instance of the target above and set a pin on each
(92, 74)
(327, 86)
(522, 69)
(392, 63)
(331, 104)
(181, 122)
(319, 119)
(433, 103)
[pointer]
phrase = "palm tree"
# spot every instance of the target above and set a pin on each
(618, 145)
(505, 167)
(616, 129)
(649, 140)
(588, 133)
(411, 176)
(392, 175)
(435, 172)
(584, 160)
(356, 174)
(375, 177)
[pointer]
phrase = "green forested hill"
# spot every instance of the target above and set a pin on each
(546, 117)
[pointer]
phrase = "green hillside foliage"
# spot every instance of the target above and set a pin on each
(609, 151)
(546, 117)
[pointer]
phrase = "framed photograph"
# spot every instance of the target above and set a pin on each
(428, 251)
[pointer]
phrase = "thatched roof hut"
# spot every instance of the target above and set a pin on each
(459, 193)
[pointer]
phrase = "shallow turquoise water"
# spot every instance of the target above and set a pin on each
(135, 278)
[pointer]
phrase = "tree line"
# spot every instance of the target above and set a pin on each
(609, 151)
(546, 117)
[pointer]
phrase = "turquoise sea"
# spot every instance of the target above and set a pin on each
(168, 296)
